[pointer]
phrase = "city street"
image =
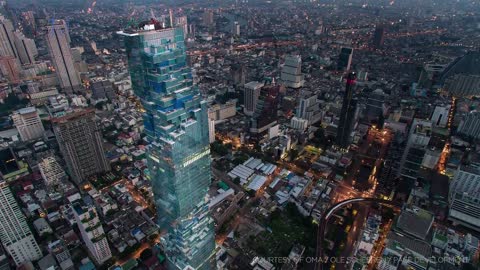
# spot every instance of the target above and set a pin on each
(345, 190)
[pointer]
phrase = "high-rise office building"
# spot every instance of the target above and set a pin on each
(182, 22)
(251, 92)
(10, 68)
(81, 144)
(375, 108)
(28, 123)
(26, 48)
(308, 107)
(345, 59)
(92, 232)
(208, 18)
(7, 45)
(178, 156)
(238, 72)
(266, 110)
(378, 36)
(291, 74)
(236, 28)
(211, 130)
(347, 114)
(15, 235)
(58, 41)
(414, 153)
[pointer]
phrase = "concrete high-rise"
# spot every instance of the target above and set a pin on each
(291, 75)
(238, 72)
(375, 107)
(92, 232)
(81, 144)
(182, 22)
(414, 152)
(345, 59)
(10, 68)
(28, 123)
(251, 92)
(176, 125)
(211, 130)
(347, 114)
(15, 235)
(7, 45)
(58, 43)
(309, 107)
(207, 18)
(236, 28)
(378, 36)
(26, 48)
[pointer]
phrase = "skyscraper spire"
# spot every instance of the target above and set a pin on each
(347, 114)
(170, 12)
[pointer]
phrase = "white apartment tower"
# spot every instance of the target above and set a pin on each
(28, 123)
(308, 108)
(291, 74)
(15, 235)
(58, 41)
(26, 48)
(211, 130)
(92, 232)
(7, 45)
(251, 94)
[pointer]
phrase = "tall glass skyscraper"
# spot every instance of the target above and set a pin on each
(178, 155)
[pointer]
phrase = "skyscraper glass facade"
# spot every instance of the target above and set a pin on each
(178, 155)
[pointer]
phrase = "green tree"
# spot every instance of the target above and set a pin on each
(219, 148)
(99, 105)
(236, 180)
(10, 103)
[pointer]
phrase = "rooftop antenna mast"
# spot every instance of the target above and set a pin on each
(171, 17)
